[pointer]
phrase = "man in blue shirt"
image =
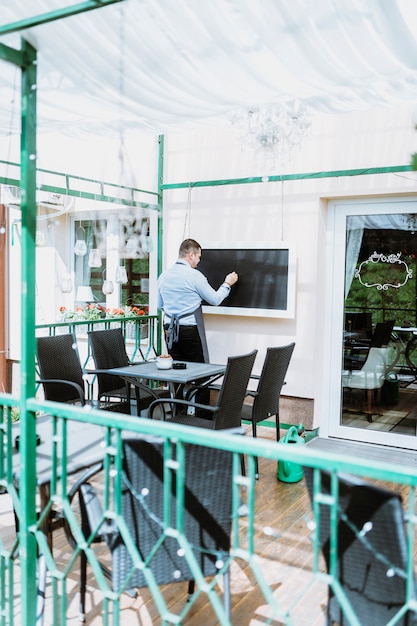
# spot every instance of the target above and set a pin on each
(181, 289)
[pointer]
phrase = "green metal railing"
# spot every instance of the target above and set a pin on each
(144, 333)
(246, 548)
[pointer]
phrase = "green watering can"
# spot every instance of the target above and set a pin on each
(289, 472)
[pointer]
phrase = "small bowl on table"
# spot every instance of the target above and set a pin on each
(164, 362)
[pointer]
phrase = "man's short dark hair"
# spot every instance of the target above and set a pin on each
(187, 246)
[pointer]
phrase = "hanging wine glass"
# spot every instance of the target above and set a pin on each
(94, 258)
(121, 275)
(66, 284)
(108, 287)
(80, 248)
(148, 247)
(40, 238)
(131, 246)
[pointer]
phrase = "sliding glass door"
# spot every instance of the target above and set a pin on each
(372, 321)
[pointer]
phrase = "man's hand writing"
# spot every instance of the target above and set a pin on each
(231, 278)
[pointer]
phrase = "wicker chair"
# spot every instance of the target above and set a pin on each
(207, 518)
(270, 383)
(369, 378)
(62, 376)
(108, 350)
(364, 559)
(227, 410)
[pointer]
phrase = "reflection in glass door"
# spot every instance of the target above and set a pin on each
(378, 339)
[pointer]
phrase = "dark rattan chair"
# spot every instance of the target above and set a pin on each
(62, 376)
(109, 350)
(227, 410)
(149, 511)
(371, 551)
(270, 382)
(358, 349)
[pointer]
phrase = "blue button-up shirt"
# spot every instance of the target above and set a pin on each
(181, 290)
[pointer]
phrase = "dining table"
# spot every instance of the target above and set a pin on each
(85, 448)
(82, 451)
(177, 377)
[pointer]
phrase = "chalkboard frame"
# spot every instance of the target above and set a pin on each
(226, 256)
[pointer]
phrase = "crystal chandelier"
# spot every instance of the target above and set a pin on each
(272, 132)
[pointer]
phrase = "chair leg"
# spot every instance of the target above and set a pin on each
(369, 401)
(242, 465)
(226, 593)
(256, 458)
(277, 426)
(83, 585)
(370, 410)
(191, 587)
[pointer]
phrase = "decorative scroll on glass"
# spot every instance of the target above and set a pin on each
(369, 272)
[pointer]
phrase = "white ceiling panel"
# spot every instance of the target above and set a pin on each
(158, 66)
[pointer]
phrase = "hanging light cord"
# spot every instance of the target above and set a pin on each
(187, 213)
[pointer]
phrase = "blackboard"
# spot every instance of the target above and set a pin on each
(266, 283)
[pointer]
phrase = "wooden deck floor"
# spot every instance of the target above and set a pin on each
(285, 558)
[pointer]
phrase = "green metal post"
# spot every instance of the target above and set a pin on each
(161, 143)
(28, 552)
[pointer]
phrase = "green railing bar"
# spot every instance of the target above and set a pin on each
(45, 18)
(412, 519)
(86, 195)
(94, 181)
(28, 544)
(269, 449)
(105, 320)
(11, 55)
(152, 321)
(89, 195)
(286, 177)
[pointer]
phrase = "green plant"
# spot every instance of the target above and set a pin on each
(95, 312)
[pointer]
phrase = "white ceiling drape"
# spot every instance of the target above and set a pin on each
(160, 66)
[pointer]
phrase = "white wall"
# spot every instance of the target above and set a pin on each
(295, 212)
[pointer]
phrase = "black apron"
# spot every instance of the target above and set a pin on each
(173, 331)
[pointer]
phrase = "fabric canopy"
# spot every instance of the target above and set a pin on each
(161, 66)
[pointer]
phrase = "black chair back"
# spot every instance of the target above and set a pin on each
(57, 358)
(233, 390)
(382, 334)
(108, 350)
(359, 323)
(272, 378)
(371, 549)
(207, 512)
